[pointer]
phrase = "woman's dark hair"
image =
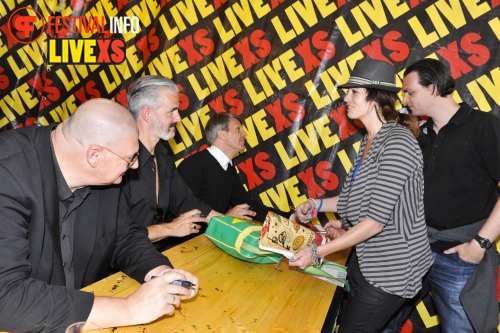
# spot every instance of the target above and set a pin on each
(433, 72)
(386, 100)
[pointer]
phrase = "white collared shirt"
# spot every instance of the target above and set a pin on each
(223, 160)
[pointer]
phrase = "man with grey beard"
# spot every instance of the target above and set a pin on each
(156, 188)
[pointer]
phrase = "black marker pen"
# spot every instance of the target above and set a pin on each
(183, 283)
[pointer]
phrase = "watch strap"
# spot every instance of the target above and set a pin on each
(483, 242)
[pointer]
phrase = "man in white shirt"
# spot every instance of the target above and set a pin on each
(211, 175)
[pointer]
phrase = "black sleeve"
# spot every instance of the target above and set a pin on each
(134, 253)
(127, 195)
(488, 146)
(240, 195)
(191, 172)
(29, 304)
(182, 198)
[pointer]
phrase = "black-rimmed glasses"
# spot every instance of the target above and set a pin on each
(130, 161)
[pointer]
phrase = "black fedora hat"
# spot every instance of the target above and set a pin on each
(371, 73)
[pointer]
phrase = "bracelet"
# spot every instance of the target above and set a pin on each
(313, 201)
(314, 256)
(314, 210)
(320, 204)
(315, 213)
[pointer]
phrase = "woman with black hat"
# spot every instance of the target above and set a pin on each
(381, 205)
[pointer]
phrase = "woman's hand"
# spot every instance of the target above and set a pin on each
(304, 212)
(334, 229)
(302, 258)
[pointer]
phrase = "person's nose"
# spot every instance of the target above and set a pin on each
(405, 99)
(135, 165)
(346, 97)
(177, 116)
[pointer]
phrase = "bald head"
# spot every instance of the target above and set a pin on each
(96, 144)
(101, 122)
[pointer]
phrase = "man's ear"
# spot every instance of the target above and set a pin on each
(221, 135)
(146, 112)
(92, 154)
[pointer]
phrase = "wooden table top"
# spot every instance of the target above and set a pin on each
(234, 295)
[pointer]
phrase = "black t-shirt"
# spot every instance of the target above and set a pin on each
(461, 168)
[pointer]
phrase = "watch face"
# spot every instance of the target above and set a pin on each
(483, 242)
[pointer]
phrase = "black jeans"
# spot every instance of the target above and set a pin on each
(367, 308)
(398, 319)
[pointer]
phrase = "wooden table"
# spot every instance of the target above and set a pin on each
(234, 295)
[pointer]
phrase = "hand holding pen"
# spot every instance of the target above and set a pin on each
(305, 211)
(243, 211)
(189, 281)
(183, 283)
(187, 223)
(161, 295)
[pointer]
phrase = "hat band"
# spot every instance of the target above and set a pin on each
(362, 81)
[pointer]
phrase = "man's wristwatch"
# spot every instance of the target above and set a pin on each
(483, 242)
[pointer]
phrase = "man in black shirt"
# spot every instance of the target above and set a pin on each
(461, 151)
(156, 188)
(65, 224)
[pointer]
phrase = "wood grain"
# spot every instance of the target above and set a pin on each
(234, 295)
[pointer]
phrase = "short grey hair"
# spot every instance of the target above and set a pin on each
(218, 122)
(145, 91)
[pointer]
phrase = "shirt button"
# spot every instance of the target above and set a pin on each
(64, 264)
(63, 236)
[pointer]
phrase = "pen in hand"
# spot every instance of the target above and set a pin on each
(182, 283)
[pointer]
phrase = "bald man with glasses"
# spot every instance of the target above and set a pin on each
(66, 224)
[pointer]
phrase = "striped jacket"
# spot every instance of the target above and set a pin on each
(389, 189)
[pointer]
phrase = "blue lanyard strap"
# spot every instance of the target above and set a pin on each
(356, 169)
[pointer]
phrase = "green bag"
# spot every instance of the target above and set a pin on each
(240, 239)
